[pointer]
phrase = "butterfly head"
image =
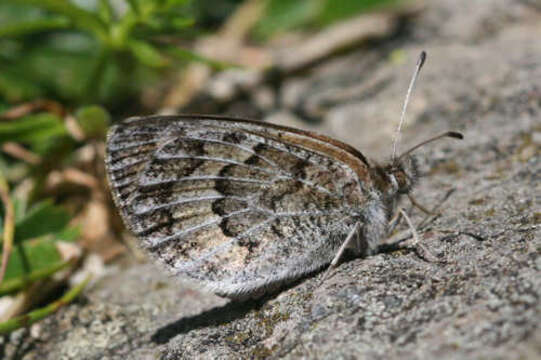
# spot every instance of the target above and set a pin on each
(402, 174)
(397, 177)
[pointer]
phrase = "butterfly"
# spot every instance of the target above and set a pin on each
(243, 207)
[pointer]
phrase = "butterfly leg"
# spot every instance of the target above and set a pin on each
(421, 250)
(419, 206)
(341, 250)
(404, 236)
(393, 223)
(428, 219)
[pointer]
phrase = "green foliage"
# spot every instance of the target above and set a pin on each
(284, 15)
(31, 256)
(35, 254)
(42, 219)
(55, 48)
(211, 14)
(37, 229)
(38, 131)
(93, 120)
(46, 134)
(335, 10)
(15, 283)
(38, 314)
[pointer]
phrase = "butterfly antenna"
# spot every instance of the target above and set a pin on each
(451, 134)
(418, 67)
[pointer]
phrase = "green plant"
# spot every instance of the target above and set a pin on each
(104, 53)
(30, 252)
(284, 15)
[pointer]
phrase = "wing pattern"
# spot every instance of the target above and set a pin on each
(236, 205)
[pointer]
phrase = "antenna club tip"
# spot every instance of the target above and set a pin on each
(455, 134)
(422, 58)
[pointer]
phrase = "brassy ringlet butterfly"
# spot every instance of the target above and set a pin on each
(241, 206)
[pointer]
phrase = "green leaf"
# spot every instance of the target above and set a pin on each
(37, 130)
(180, 23)
(134, 5)
(31, 27)
(171, 3)
(147, 54)
(106, 11)
(42, 219)
(184, 54)
(55, 67)
(94, 121)
(79, 17)
(32, 128)
(15, 88)
(69, 234)
(19, 206)
(334, 10)
(36, 315)
(283, 15)
(166, 23)
(32, 256)
(14, 284)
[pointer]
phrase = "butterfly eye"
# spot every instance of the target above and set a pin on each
(401, 179)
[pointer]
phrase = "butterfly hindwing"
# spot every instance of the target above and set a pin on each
(236, 205)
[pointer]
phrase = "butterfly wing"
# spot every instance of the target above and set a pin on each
(237, 205)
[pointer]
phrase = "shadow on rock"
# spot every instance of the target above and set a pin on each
(217, 316)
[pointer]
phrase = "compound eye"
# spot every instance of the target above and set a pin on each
(401, 179)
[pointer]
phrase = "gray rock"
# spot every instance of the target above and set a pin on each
(483, 77)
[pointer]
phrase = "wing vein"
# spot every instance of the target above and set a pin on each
(246, 149)
(158, 242)
(222, 247)
(223, 160)
(114, 146)
(210, 177)
(186, 201)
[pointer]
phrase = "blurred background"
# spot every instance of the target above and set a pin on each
(68, 69)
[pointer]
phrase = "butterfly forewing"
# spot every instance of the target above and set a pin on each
(237, 205)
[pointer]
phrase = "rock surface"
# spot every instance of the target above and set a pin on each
(482, 77)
